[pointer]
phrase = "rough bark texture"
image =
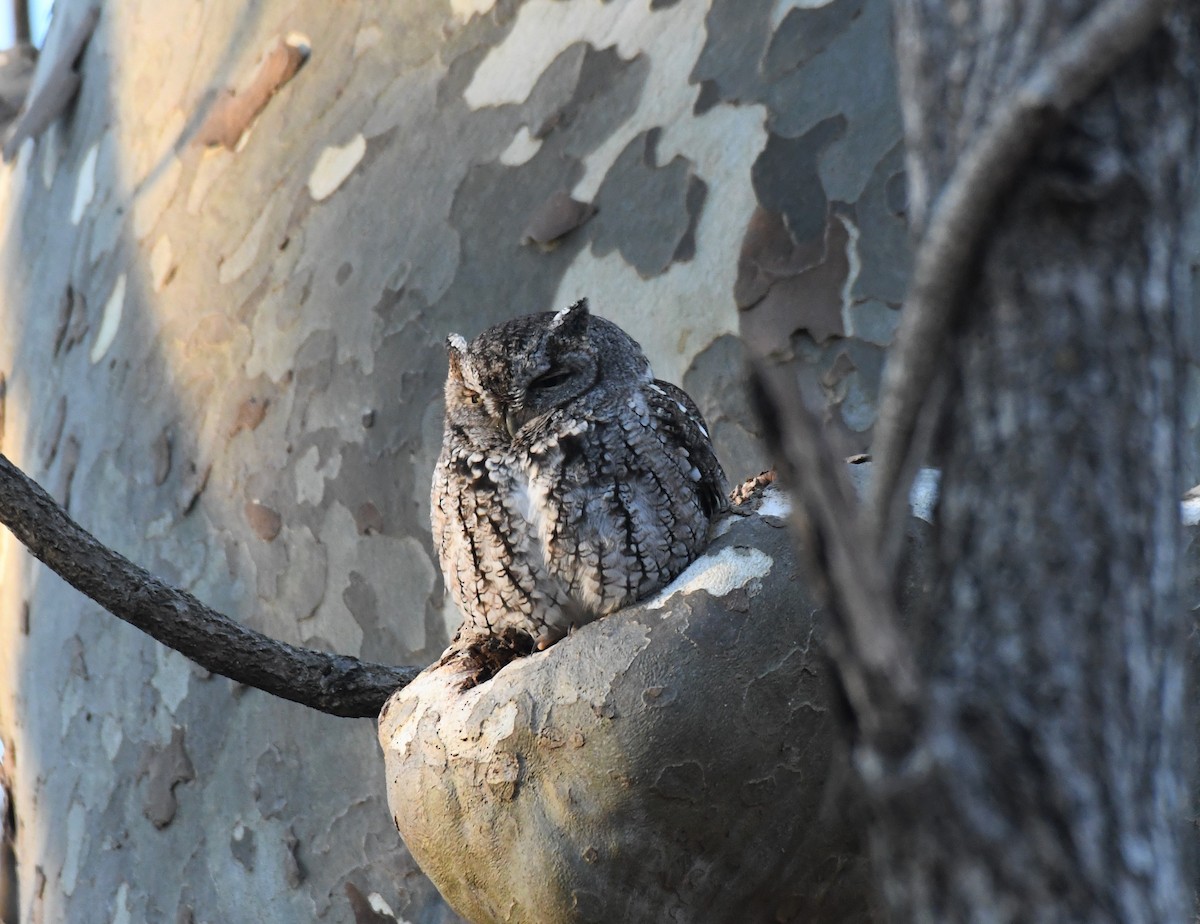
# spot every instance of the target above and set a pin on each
(1051, 781)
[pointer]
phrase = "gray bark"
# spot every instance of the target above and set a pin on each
(1048, 780)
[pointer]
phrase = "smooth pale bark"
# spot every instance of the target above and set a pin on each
(676, 761)
(225, 361)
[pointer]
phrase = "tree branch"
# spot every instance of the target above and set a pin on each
(951, 242)
(335, 684)
(877, 666)
(858, 546)
(49, 97)
(22, 33)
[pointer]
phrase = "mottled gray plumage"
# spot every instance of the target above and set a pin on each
(571, 482)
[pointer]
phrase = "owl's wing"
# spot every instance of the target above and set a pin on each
(679, 417)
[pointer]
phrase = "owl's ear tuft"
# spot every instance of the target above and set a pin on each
(456, 348)
(571, 321)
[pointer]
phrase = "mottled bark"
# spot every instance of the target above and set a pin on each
(226, 360)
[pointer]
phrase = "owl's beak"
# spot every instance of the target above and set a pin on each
(515, 417)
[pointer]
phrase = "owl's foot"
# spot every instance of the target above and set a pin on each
(751, 488)
(484, 657)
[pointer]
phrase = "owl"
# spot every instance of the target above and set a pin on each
(571, 482)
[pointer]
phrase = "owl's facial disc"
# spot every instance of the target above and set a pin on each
(519, 371)
(520, 404)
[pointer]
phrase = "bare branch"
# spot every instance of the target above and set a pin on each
(336, 684)
(960, 219)
(22, 32)
(50, 96)
(875, 660)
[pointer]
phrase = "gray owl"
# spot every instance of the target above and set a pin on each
(571, 482)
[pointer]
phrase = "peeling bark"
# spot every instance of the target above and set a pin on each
(252, 412)
(235, 111)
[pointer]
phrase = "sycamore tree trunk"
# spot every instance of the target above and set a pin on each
(229, 267)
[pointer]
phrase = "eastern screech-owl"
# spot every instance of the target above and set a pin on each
(571, 482)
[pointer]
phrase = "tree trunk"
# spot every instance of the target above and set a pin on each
(222, 328)
(1050, 783)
